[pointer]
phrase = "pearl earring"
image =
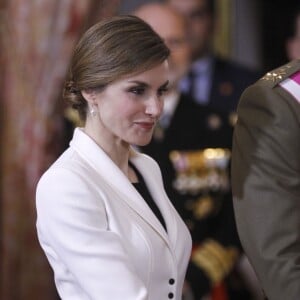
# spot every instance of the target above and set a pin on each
(93, 111)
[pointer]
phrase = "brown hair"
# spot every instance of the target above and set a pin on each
(111, 49)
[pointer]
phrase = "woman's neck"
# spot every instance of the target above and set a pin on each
(117, 150)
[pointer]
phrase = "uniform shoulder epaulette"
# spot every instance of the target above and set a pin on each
(274, 77)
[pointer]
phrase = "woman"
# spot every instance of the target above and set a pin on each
(104, 220)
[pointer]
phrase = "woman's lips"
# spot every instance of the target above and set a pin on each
(146, 125)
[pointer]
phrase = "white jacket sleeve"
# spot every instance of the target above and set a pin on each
(73, 231)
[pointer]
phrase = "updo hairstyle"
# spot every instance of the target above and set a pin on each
(109, 50)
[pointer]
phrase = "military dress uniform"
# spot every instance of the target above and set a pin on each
(219, 84)
(193, 153)
(266, 179)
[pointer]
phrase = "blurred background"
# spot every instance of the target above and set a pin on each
(36, 41)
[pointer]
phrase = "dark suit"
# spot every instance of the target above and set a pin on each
(192, 128)
(228, 81)
(266, 182)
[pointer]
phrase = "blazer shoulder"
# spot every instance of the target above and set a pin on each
(276, 76)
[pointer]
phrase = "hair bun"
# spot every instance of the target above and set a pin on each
(70, 87)
(73, 96)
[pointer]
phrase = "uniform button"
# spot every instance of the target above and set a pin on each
(171, 295)
(171, 281)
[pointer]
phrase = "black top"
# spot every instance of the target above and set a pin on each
(141, 187)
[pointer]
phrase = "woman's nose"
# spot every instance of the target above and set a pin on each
(154, 107)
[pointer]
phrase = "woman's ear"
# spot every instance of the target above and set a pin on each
(89, 95)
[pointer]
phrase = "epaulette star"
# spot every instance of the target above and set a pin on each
(276, 75)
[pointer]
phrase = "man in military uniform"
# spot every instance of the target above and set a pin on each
(192, 145)
(212, 80)
(266, 179)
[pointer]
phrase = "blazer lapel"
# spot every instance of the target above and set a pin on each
(160, 197)
(113, 176)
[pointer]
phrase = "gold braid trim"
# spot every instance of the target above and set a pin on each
(215, 260)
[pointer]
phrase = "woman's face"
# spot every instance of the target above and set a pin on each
(129, 108)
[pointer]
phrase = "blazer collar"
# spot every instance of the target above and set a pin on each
(97, 159)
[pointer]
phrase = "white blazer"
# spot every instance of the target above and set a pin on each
(99, 235)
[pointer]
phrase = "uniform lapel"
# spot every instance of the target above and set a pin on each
(112, 175)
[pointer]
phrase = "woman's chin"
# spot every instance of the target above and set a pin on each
(143, 142)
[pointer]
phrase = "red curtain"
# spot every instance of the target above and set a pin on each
(36, 40)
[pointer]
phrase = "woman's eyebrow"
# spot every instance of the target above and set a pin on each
(142, 83)
(164, 85)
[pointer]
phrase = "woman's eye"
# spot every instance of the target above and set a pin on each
(162, 91)
(137, 90)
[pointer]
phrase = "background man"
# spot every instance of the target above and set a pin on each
(213, 81)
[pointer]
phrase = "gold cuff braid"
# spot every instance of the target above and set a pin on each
(215, 260)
